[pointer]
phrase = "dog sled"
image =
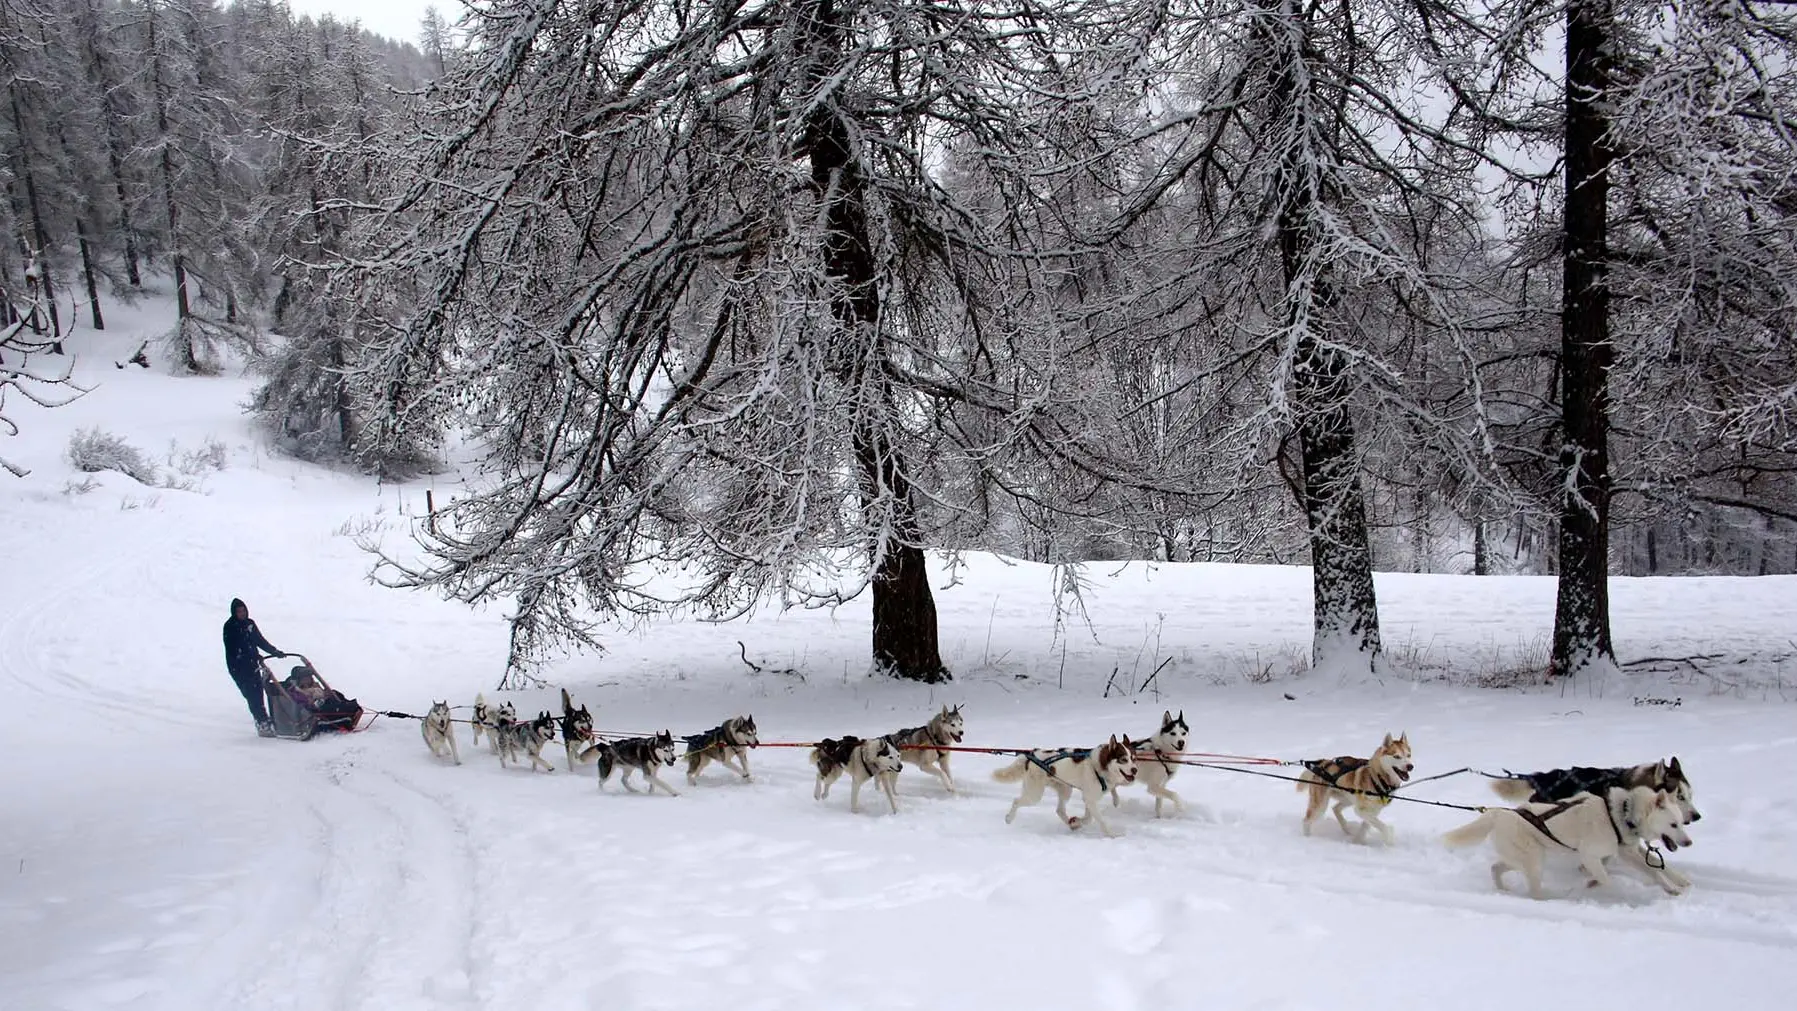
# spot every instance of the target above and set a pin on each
(304, 705)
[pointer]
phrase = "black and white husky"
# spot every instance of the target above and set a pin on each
(439, 732)
(528, 737)
(638, 754)
(926, 745)
(728, 744)
(876, 759)
(1157, 761)
(487, 717)
(577, 730)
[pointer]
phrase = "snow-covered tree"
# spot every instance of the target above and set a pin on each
(1316, 227)
(693, 266)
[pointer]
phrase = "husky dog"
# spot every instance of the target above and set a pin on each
(439, 732)
(638, 754)
(1367, 783)
(528, 737)
(1562, 784)
(1153, 769)
(876, 759)
(924, 744)
(730, 739)
(1092, 771)
(487, 718)
(577, 729)
(1595, 828)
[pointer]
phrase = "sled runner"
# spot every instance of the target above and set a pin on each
(304, 704)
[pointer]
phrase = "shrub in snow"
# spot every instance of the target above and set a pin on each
(92, 451)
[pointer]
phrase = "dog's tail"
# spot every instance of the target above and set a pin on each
(1013, 772)
(1513, 790)
(480, 698)
(607, 760)
(1472, 832)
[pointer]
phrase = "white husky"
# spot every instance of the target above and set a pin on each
(1157, 760)
(1596, 829)
(439, 732)
(1092, 771)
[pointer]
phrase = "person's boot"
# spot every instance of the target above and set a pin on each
(266, 728)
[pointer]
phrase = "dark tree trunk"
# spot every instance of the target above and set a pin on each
(114, 119)
(184, 338)
(87, 270)
(86, 249)
(347, 428)
(1481, 550)
(905, 640)
(1346, 615)
(1346, 606)
(46, 286)
(1582, 610)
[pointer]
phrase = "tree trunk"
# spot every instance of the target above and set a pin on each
(1481, 550)
(46, 286)
(171, 208)
(1582, 610)
(86, 249)
(1346, 609)
(115, 145)
(1346, 634)
(87, 270)
(905, 640)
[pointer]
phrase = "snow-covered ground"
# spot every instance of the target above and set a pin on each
(155, 853)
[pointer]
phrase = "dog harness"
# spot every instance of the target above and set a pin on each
(897, 737)
(1539, 821)
(1147, 748)
(1561, 784)
(1331, 770)
(1076, 754)
(716, 737)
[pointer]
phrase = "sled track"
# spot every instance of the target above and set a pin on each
(372, 906)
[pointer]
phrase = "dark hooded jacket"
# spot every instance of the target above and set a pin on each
(242, 642)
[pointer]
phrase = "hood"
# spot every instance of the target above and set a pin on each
(237, 603)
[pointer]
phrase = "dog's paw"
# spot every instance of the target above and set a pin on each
(1073, 822)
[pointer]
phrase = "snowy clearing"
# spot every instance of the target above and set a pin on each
(157, 854)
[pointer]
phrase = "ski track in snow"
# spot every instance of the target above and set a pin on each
(155, 854)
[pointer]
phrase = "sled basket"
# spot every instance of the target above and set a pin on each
(305, 704)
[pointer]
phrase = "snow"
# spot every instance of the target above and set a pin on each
(156, 854)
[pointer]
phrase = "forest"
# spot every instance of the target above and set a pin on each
(783, 296)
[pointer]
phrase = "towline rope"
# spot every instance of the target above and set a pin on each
(1344, 789)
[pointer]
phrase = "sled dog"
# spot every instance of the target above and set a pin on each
(439, 732)
(876, 759)
(1155, 761)
(528, 737)
(1595, 828)
(924, 744)
(638, 754)
(1092, 771)
(487, 717)
(577, 729)
(1366, 783)
(729, 740)
(1556, 785)
(1561, 784)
